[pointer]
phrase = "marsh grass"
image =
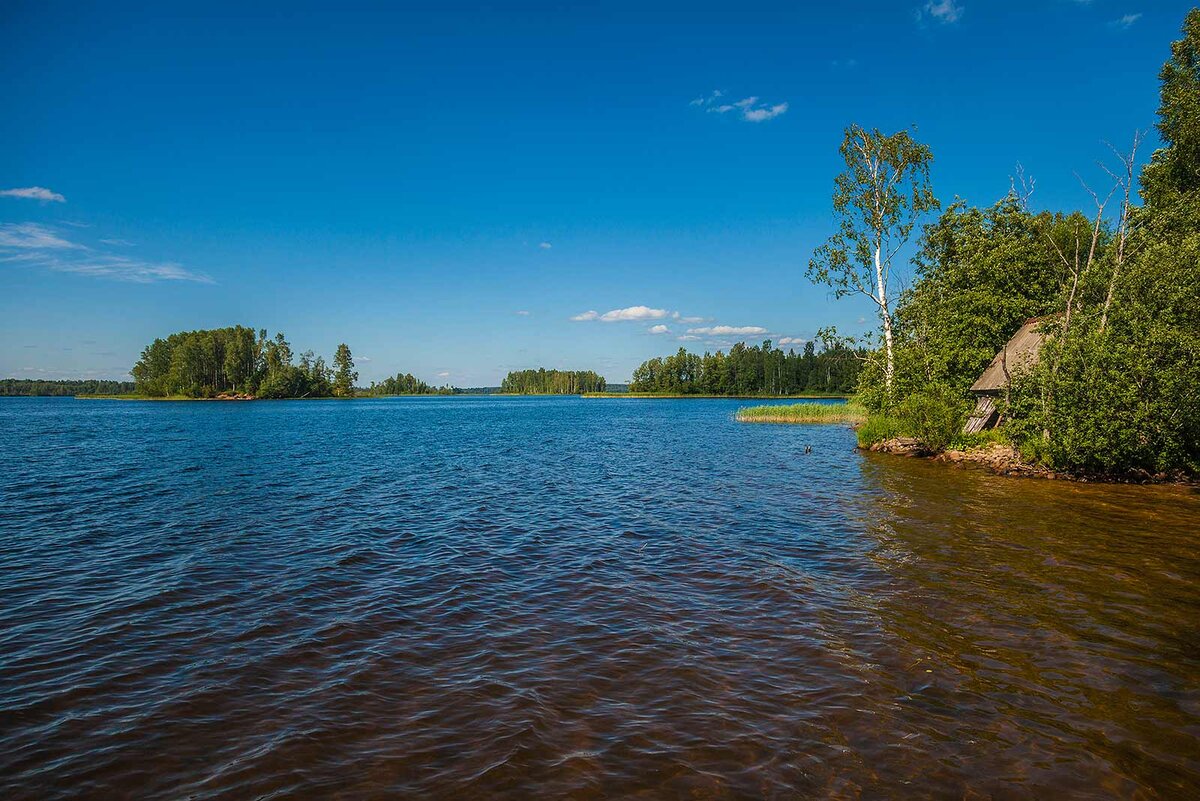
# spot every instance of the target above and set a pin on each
(850, 413)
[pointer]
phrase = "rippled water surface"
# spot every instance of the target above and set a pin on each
(563, 598)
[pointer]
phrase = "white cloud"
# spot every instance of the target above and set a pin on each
(728, 330)
(748, 108)
(444, 374)
(119, 242)
(792, 341)
(659, 329)
(1125, 21)
(944, 11)
(32, 235)
(38, 246)
(523, 313)
(545, 245)
(633, 313)
(762, 114)
(705, 100)
(691, 319)
(34, 193)
(687, 338)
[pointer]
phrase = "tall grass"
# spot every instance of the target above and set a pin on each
(804, 413)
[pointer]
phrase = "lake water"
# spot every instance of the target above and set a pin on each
(557, 597)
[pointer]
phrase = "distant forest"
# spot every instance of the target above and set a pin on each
(10, 387)
(752, 370)
(552, 382)
(404, 384)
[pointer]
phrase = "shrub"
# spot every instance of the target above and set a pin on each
(934, 415)
(878, 428)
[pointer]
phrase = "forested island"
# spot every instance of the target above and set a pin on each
(239, 361)
(751, 370)
(1113, 295)
(404, 384)
(552, 382)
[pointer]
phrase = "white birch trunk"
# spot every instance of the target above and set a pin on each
(882, 299)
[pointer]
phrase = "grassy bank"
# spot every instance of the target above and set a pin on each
(850, 413)
(809, 396)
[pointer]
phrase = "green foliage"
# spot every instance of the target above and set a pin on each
(344, 374)
(877, 428)
(405, 384)
(552, 382)
(883, 193)
(752, 370)
(934, 415)
(206, 363)
(1176, 168)
(31, 387)
(980, 439)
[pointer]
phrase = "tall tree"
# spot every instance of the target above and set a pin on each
(344, 375)
(883, 193)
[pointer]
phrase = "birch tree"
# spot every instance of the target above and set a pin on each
(877, 201)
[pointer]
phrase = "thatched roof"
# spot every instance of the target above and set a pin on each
(1020, 353)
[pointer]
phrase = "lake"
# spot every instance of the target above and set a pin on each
(491, 597)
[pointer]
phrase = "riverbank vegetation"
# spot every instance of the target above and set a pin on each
(552, 382)
(851, 413)
(14, 387)
(223, 361)
(752, 371)
(1117, 289)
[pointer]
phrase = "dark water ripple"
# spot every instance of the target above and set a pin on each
(553, 598)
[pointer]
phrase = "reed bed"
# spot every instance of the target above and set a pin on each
(850, 413)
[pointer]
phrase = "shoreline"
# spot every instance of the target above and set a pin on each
(667, 396)
(1005, 460)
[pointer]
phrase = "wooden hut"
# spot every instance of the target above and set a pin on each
(1020, 353)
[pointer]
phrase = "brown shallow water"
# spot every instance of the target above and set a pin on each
(561, 598)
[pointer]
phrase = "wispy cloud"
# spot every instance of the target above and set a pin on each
(659, 329)
(748, 108)
(946, 12)
(36, 245)
(118, 242)
(522, 313)
(1125, 21)
(32, 235)
(545, 245)
(444, 374)
(792, 341)
(34, 193)
(728, 330)
(621, 315)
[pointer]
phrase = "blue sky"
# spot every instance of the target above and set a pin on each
(446, 189)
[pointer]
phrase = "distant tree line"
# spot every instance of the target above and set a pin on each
(203, 364)
(751, 370)
(552, 382)
(33, 386)
(405, 384)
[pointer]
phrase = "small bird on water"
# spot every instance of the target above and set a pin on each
(808, 448)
